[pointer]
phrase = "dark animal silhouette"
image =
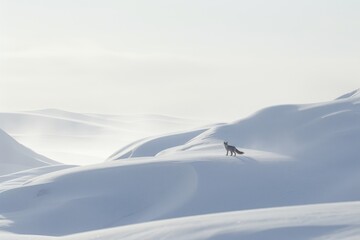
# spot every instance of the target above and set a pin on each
(232, 149)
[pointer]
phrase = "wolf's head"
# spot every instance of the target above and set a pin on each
(225, 143)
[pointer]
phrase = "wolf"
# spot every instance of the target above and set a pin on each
(232, 149)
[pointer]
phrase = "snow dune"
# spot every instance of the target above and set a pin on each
(152, 146)
(336, 221)
(321, 222)
(328, 132)
(182, 186)
(83, 139)
(146, 189)
(19, 178)
(16, 157)
(82, 199)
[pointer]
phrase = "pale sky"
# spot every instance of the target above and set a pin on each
(210, 59)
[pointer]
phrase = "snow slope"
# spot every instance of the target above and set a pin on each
(329, 130)
(16, 157)
(153, 145)
(295, 155)
(146, 189)
(336, 221)
(75, 138)
(326, 221)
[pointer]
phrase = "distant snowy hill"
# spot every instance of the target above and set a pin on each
(151, 146)
(76, 138)
(299, 177)
(16, 157)
(329, 131)
(326, 132)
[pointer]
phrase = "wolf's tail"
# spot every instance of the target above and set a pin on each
(238, 151)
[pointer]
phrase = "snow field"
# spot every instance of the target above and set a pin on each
(299, 177)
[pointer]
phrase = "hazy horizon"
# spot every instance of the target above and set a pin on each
(219, 60)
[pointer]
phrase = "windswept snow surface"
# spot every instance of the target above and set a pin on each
(295, 155)
(355, 93)
(16, 157)
(83, 139)
(325, 221)
(152, 146)
(336, 221)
